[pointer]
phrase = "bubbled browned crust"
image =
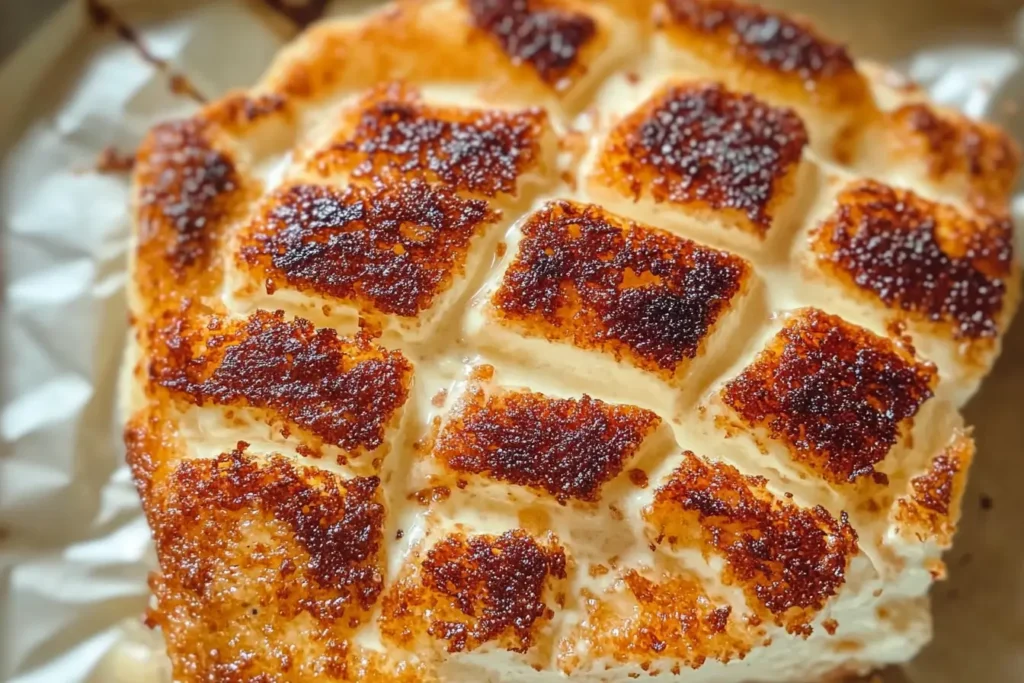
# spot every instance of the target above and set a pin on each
(187, 186)
(392, 133)
(544, 34)
(471, 590)
(389, 248)
(789, 560)
(590, 278)
(266, 568)
(927, 259)
(343, 392)
(671, 620)
(836, 395)
(744, 36)
(932, 507)
(568, 448)
(699, 145)
(957, 148)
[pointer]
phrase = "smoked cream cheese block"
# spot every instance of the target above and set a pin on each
(533, 340)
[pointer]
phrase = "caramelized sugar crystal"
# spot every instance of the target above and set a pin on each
(600, 282)
(702, 146)
(919, 256)
(567, 448)
(836, 395)
(789, 560)
(346, 392)
(389, 249)
(393, 133)
(471, 590)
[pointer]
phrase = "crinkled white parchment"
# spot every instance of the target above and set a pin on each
(74, 547)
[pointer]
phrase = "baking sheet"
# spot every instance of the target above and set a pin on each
(74, 548)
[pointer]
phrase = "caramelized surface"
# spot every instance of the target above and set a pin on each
(394, 134)
(761, 36)
(362, 182)
(265, 567)
(539, 33)
(956, 147)
(702, 146)
(838, 396)
(388, 249)
(600, 282)
(921, 257)
(567, 448)
(346, 392)
(790, 561)
(471, 590)
(932, 508)
(671, 619)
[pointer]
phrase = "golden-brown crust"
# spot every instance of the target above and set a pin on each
(929, 260)
(672, 620)
(437, 40)
(237, 113)
(387, 249)
(788, 54)
(266, 568)
(545, 35)
(789, 561)
(700, 146)
(342, 392)
(470, 590)
(587, 277)
(567, 448)
(956, 150)
(930, 510)
(836, 395)
(393, 133)
(187, 187)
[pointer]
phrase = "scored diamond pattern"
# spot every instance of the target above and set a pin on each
(487, 332)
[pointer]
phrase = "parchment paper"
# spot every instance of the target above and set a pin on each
(74, 548)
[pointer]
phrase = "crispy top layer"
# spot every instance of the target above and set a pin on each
(186, 188)
(759, 36)
(538, 33)
(671, 619)
(835, 394)
(477, 589)
(567, 448)
(347, 392)
(789, 560)
(700, 144)
(919, 256)
(931, 510)
(386, 249)
(952, 144)
(264, 566)
(392, 133)
(600, 282)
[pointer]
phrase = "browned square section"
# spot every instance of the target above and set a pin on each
(836, 395)
(789, 560)
(600, 282)
(701, 147)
